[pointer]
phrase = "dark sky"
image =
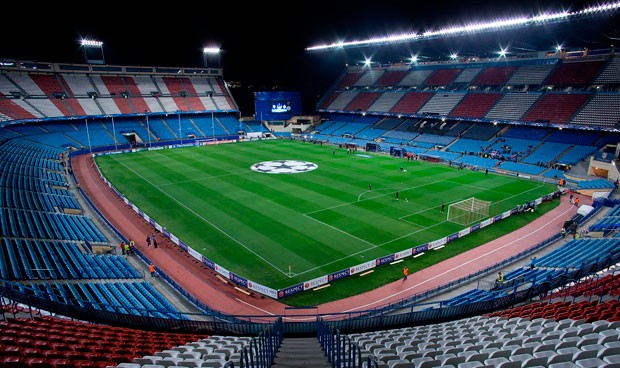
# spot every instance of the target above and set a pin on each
(263, 42)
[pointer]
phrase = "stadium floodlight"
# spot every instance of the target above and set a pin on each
(601, 8)
(211, 51)
(367, 62)
(90, 43)
(489, 26)
(502, 52)
(93, 51)
(454, 56)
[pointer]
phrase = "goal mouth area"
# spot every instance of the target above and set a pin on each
(468, 211)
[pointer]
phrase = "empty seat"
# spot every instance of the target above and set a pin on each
(494, 362)
(557, 365)
(500, 354)
(534, 362)
(559, 358)
(190, 355)
(454, 361)
(589, 362)
(472, 364)
(147, 359)
(519, 357)
(480, 357)
(523, 350)
(391, 363)
(584, 354)
(510, 364)
(167, 353)
(608, 351)
(401, 364)
(193, 363)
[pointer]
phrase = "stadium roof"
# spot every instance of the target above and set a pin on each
(260, 41)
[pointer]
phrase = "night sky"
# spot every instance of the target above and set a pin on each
(263, 43)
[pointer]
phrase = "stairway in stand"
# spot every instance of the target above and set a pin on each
(301, 352)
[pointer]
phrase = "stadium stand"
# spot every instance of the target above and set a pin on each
(47, 240)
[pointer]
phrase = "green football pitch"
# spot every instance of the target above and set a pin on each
(276, 228)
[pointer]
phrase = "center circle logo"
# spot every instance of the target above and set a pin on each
(284, 167)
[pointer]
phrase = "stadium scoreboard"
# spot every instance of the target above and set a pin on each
(277, 105)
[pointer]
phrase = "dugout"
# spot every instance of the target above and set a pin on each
(372, 147)
(397, 151)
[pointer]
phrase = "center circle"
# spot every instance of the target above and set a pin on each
(284, 167)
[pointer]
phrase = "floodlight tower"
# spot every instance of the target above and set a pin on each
(93, 51)
(211, 51)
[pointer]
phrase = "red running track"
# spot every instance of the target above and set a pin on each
(202, 283)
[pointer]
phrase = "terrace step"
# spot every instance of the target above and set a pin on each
(301, 352)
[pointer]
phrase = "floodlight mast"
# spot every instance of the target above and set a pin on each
(92, 44)
(495, 25)
(211, 51)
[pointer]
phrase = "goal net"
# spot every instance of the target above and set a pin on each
(468, 211)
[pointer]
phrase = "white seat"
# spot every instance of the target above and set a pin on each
(519, 357)
(170, 361)
(494, 362)
(183, 348)
(534, 362)
(396, 363)
(472, 364)
(192, 363)
(147, 359)
(590, 363)
(167, 353)
(190, 355)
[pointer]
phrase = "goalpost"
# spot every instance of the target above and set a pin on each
(468, 211)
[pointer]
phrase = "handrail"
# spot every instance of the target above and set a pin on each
(261, 351)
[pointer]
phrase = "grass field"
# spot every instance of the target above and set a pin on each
(257, 224)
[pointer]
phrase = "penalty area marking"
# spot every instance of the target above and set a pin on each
(464, 264)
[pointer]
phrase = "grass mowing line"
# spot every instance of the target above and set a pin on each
(439, 223)
(202, 218)
(392, 191)
(325, 216)
(199, 179)
(224, 175)
(488, 189)
(482, 256)
(382, 195)
(373, 246)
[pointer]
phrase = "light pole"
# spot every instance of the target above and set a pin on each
(148, 130)
(212, 127)
(211, 51)
(90, 48)
(88, 135)
(180, 135)
(114, 134)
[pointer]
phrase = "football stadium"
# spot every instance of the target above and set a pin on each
(430, 212)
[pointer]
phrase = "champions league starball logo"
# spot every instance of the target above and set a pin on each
(284, 167)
